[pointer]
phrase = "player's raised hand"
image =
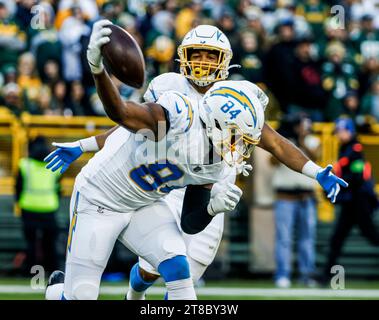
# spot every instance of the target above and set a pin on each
(330, 182)
(63, 156)
(224, 198)
(99, 36)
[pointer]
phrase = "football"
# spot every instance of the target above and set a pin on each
(123, 57)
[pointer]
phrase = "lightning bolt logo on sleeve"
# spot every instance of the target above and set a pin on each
(189, 110)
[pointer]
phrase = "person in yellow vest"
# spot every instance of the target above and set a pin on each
(37, 195)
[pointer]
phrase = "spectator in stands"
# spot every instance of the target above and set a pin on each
(338, 77)
(370, 101)
(287, 10)
(60, 99)
(163, 23)
(12, 38)
(24, 13)
(250, 57)
(108, 11)
(310, 96)
(254, 24)
(227, 24)
(186, 17)
(11, 6)
(368, 72)
(44, 43)
(89, 9)
(367, 34)
(315, 12)
(10, 73)
(334, 32)
(37, 194)
(51, 72)
(44, 105)
(145, 22)
(279, 64)
(160, 56)
(351, 104)
(28, 80)
(12, 98)
(78, 101)
(358, 201)
(295, 203)
(72, 29)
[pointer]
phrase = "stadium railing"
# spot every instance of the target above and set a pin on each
(15, 134)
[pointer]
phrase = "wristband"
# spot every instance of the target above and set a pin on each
(89, 145)
(96, 69)
(210, 210)
(311, 169)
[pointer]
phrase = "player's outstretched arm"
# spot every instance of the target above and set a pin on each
(68, 152)
(290, 155)
(201, 204)
(131, 115)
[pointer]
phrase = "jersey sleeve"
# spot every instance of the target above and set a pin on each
(158, 86)
(179, 110)
(151, 94)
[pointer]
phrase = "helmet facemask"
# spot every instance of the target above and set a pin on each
(231, 143)
(203, 73)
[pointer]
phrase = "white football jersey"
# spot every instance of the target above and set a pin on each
(159, 85)
(170, 81)
(126, 175)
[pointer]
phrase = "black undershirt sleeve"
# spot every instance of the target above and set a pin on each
(167, 119)
(195, 216)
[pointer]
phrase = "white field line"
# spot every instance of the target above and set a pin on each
(223, 292)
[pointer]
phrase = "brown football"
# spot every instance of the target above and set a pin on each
(123, 57)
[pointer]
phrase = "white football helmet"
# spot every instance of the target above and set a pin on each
(205, 37)
(234, 117)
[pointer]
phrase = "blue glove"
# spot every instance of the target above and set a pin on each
(63, 156)
(330, 182)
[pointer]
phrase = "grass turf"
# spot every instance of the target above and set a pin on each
(350, 284)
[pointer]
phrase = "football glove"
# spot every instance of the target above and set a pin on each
(68, 152)
(330, 182)
(224, 198)
(99, 36)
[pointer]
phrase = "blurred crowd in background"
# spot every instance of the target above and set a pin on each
(316, 56)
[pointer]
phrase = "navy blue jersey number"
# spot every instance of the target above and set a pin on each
(152, 177)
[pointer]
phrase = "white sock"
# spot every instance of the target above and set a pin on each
(54, 292)
(135, 295)
(181, 290)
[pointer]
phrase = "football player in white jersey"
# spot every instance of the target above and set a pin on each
(205, 54)
(196, 147)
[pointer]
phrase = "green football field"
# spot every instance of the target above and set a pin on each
(21, 289)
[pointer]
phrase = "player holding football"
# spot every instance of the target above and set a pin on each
(204, 54)
(114, 193)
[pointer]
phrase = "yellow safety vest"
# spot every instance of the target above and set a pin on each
(39, 190)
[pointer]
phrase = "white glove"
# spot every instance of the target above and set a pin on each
(99, 37)
(244, 168)
(224, 198)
